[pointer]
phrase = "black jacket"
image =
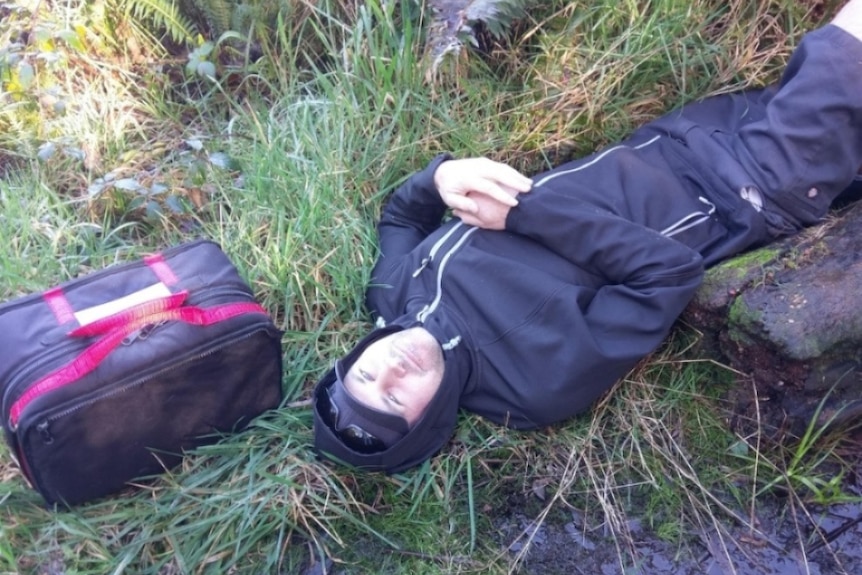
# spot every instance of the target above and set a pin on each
(541, 318)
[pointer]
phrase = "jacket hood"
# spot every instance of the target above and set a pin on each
(426, 437)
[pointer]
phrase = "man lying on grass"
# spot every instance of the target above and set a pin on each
(539, 294)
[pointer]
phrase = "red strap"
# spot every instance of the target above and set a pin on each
(93, 356)
(161, 268)
(60, 307)
(120, 319)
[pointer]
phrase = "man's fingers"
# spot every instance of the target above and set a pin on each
(462, 204)
(493, 190)
(511, 177)
(506, 175)
(468, 219)
(456, 180)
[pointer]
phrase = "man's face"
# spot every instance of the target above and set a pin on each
(398, 373)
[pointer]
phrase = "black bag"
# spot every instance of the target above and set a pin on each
(110, 376)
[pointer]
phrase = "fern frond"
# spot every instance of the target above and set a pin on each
(217, 14)
(161, 13)
(453, 20)
(497, 15)
(244, 16)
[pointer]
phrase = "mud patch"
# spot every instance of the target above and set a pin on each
(821, 542)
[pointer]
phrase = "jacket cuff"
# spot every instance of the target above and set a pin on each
(424, 179)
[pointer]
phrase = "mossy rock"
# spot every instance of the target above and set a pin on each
(788, 318)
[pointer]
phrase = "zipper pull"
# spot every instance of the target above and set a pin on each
(423, 313)
(708, 203)
(422, 265)
(145, 331)
(141, 334)
(45, 433)
(130, 339)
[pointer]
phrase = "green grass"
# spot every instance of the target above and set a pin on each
(287, 169)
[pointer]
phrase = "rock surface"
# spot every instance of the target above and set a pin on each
(789, 318)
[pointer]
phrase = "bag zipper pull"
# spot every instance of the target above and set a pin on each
(142, 333)
(45, 433)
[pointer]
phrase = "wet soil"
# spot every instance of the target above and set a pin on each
(787, 539)
(827, 541)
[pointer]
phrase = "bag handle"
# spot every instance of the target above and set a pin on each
(123, 318)
(89, 359)
(63, 312)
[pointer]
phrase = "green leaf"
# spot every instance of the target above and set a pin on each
(175, 205)
(195, 144)
(206, 69)
(128, 184)
(157, 189)
(26, 74)
(73, 39)
(203, 50)
(222, 160)
(739, 449)
(95, 189)
(154, 210)
(137, 203)
(46, 151)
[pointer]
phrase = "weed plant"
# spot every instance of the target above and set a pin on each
(112, 150)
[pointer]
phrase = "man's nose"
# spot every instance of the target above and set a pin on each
(396, 366)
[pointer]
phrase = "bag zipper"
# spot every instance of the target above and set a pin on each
(44, 425)
(45, 362)
(202, 297)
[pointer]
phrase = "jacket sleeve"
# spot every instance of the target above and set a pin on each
(650, 277)
(413, 211)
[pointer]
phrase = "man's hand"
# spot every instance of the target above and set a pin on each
(849, 18)
(490, 214)
(480, 191)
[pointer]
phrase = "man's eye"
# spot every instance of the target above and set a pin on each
(365, 375)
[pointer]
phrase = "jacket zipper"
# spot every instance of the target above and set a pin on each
(438, 291)
(595, 160)
(26, 373)
(690, 220)
(44, 426)
(435, 248)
